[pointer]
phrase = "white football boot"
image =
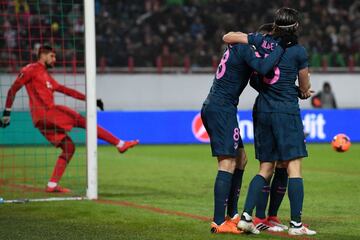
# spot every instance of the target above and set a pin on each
(299, 229)
(247, 225)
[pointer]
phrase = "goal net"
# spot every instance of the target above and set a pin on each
(27, 158)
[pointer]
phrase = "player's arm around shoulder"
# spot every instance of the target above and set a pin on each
(255, 39)
(261, 65)
(235, 37)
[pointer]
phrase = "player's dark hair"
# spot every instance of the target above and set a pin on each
(286, 21)
(266, 28)
(45, 50)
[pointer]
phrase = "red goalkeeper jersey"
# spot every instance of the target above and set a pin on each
(40, 87)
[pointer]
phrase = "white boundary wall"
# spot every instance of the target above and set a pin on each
(179, 91)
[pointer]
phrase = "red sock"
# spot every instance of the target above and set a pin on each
(107, 136)
(59, 170)
(68, 150)
(101, 132)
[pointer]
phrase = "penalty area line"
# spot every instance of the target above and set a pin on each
(183, 214)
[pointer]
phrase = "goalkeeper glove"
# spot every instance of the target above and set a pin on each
(5, 118)
(100, 104)
(288, 40)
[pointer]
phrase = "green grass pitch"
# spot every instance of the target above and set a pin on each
(166, 192)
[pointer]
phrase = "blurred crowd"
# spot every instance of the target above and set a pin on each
(25, 25)
(146, 33)
(176, 30)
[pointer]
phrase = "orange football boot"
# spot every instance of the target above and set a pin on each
(57, 189)
(235, 219)
(127, 145)
(225, 227)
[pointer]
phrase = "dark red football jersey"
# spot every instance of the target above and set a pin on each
(40, 87)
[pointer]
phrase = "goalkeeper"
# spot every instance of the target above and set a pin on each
(54, 121)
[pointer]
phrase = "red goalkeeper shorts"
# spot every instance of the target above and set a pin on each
(57, 122)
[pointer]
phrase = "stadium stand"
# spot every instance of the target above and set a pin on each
(175, 30)
(24, 26)
(176, 33)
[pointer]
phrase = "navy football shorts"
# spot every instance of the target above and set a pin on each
(222, 126)
(278, 136)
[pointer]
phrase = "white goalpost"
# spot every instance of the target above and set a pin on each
(90, 75)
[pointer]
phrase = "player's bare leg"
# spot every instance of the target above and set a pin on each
(226, 167)
(296, 197)
(241, 160)
(68, 150)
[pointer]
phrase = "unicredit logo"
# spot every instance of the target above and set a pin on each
(199, 130)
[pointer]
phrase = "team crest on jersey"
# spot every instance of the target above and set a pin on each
(49, 85)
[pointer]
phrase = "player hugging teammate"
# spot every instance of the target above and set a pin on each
(279, 137)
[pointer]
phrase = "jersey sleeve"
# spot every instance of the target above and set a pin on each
(68, 91)
(262, 65)
(303, 61)
(256, 81)
(23, 78)
(255, 39)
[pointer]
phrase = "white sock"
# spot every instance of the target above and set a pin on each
(52, 184)
(296, 224)
(121, 143)
(247, 216)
